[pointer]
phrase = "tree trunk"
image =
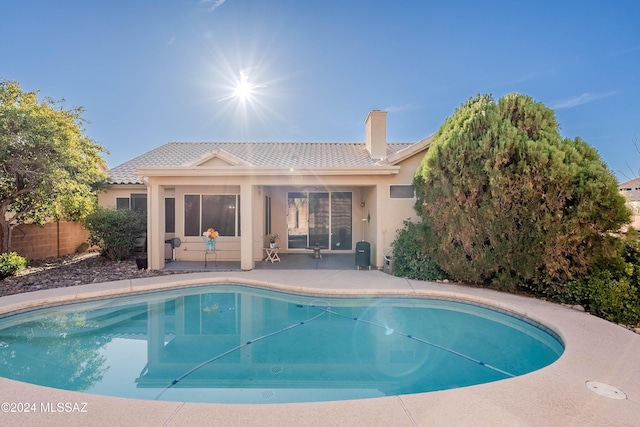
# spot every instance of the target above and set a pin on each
(5, 233)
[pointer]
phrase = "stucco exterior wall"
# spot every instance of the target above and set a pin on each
(392, 213)
(107, 199)
(634, 206)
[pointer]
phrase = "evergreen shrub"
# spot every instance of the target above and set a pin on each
(511, 204)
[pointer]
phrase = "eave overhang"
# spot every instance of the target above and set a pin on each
(204, 171)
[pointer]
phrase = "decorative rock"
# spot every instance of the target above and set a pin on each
(578, 307)
(73, 270)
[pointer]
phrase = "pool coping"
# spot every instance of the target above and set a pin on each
(595, 350)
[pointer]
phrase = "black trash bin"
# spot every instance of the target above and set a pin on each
(363, 255)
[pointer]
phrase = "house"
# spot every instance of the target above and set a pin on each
(328, 194)
(631, 191)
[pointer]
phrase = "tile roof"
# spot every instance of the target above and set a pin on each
(258, 154)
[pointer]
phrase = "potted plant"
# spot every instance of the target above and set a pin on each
(272, 239)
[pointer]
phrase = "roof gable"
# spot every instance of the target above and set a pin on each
(217, 158)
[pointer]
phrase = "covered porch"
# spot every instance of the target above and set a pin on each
(334, 216)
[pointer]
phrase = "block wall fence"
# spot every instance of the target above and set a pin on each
(54, 239)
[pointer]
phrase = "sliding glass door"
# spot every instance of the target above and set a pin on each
(341, 218)
(319, 218)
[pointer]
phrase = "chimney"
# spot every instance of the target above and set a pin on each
(376, 129)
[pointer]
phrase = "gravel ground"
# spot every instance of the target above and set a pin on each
(73, 270)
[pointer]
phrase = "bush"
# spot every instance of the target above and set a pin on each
(115, 231)
(10, 264)
(409, 258)
(611, 291)
(614, 299)
(509, 203)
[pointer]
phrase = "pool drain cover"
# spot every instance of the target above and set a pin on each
(606, 390)
(276, 369)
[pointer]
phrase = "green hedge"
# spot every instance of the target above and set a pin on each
(10, 264)
(409, 258)
(612, 291)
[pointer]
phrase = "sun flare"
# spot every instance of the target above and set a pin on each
(244, 89)
(243, 96)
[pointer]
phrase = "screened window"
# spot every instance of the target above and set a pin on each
(401, 192)
(169, 215)
(192, 215)
(221, 212)
(267, 214)
(139, 203)
(122, 203)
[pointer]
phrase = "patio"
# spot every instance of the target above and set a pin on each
(288, 261)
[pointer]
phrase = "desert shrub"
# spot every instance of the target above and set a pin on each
(409, 257)
(10, 264)
(509, 203)
(114, 231)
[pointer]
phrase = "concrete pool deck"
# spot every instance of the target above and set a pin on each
(556, 395)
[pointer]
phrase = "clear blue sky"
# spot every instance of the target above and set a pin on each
(154, 71)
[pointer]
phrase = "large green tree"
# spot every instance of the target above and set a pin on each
(509, 202)
(49, 168)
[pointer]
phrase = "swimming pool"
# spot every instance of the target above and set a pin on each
(237, 344)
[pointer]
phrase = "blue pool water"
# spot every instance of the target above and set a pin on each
(236, 344)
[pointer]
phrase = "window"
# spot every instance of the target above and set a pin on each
(221, 212)
(122, 203)
(401, 192)
(139, 203)
(267, 214)
(192, 215)
(170, 215)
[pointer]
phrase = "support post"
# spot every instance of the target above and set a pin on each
(155, 226)
(246, 222)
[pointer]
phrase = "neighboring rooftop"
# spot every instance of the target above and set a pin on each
(630, 189)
